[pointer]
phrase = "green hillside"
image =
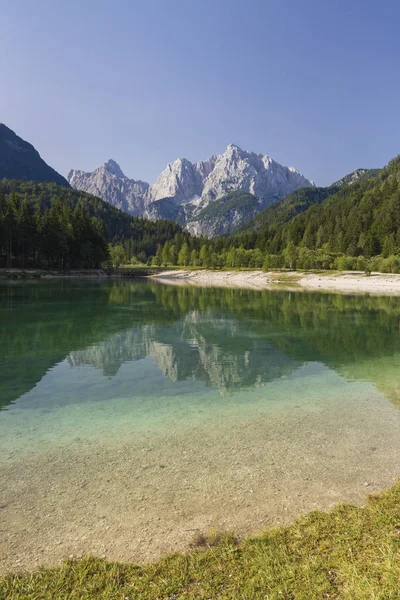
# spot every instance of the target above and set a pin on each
(45, 225)
(300, 200)
(362, 219)
(353, 224)
(342, 227)
(276, 214)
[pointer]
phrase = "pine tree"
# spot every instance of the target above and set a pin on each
(166, 254)
(184, 255)
(173, 255)
(194, 258)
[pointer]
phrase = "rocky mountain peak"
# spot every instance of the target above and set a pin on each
(258, 174)
(180, 180)
(233, 148)
(186, 188)
(110, 183)
(113, 167)
(234, 152)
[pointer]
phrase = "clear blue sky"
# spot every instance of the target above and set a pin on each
(313, 83)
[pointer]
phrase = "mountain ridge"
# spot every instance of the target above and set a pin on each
(192, 186)
(21, 161)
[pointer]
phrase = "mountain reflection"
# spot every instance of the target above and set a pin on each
(217, 351)
(225, 338)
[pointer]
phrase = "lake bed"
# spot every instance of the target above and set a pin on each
(135, 415)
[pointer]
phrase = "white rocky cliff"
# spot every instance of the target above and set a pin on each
(109, 183)
(237, 169)
(192, 186)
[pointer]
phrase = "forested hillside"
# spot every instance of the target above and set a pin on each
(276, 214)
(300, 200)
(361, 220)
(345, 226)
(356, 227)
(45, 225)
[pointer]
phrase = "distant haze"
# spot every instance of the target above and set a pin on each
(313, 84)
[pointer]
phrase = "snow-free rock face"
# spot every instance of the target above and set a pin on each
(257, 174)
(223, 216)
(179, 180)
(191, 187)
(165, 208)
(109, 183)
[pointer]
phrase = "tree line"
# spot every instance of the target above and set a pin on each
(356, 228)
(43, 225)
(59, 237)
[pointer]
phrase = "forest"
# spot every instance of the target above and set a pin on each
(354, 227)
(57, 237)
(44, 225)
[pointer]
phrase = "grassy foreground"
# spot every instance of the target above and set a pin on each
(348, 552)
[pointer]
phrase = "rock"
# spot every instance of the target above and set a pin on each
(180, 180)
(166, 208)
(258, 174)
(109, 183)
(184, 190)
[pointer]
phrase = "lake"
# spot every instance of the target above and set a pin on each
(133, 414)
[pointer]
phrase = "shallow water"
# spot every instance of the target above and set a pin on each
(134, 414)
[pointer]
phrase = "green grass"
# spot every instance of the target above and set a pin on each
(349, 553)
(290, 277)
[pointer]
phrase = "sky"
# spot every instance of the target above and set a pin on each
(315, 84)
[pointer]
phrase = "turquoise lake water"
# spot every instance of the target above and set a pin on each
(134, 414)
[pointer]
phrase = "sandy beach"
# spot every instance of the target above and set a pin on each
(344, 282)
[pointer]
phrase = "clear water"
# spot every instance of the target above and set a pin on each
(134, 414)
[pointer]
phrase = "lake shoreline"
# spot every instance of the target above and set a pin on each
(28, 274)
(345, 282)
(355, 548)
(327, 281)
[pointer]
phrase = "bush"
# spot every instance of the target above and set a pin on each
(346, 263)
(390, 264)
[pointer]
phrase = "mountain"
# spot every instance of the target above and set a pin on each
(19, 160)
(109, 182)
(182, 180)
(190, 187)
(166, 208)
(300, 200)
(258, 174)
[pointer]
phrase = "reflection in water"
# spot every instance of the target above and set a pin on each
(134, 413)
(218, 351)
(227, 339)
